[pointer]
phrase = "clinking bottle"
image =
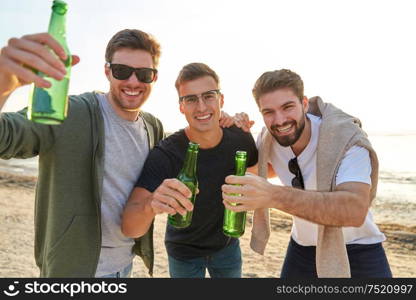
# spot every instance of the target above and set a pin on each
(187, 175)
(235, 222)
(50, 105)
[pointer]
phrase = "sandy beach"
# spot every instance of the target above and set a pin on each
(17, 238)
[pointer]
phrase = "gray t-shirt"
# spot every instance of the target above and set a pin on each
(126, 149)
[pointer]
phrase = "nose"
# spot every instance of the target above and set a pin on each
(279, 119)
(133, 79)
(201, 106)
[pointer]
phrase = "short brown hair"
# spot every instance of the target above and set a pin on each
(194, 71)
(133, 39)
(278, 79)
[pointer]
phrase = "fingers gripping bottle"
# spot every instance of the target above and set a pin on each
(50, 105)
(187, 175)
(235, 222)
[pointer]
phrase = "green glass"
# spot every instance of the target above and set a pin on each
(50, 106)
(187, 175)
(235, 222)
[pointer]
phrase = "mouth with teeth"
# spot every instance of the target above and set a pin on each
(203, 118)
(131, 93)
(288, 133)
(283, 130)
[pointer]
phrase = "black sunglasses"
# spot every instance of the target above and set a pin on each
(123, 72)
(297, 181)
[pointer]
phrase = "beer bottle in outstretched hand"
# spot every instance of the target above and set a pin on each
(50, 105)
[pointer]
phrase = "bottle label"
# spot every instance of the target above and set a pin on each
(43, 103)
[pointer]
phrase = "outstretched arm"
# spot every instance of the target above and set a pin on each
(346, 206)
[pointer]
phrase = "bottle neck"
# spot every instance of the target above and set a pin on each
(189, 166)
(240, 166)
(57, 27)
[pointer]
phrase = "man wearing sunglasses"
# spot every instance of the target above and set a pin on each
(85, 169)
(330, 171)
(201, 246)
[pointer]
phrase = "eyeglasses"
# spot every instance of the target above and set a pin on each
(123, 72)
(297, 181)
(208, 97)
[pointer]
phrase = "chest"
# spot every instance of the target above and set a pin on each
(307, 165)
(125, 149)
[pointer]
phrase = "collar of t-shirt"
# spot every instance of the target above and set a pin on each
(108, 109)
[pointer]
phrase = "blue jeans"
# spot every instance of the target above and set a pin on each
(366, 261)
(225, 263)
(125, 273)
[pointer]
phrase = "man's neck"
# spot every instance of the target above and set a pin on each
(124, 114)
(304, 139)
(206, 140)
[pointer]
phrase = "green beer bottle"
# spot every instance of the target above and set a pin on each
(235, 222)
(187, 175)
(50, 106)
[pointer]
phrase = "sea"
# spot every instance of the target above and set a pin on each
(396, 196)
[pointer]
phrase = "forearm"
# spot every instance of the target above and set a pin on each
(338, 208)
(137, 218)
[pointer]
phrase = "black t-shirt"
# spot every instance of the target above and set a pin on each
(204, 236)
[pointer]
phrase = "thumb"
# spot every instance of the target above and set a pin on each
(75, 59)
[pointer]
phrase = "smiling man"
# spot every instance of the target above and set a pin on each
(330, 174)
(202, 245)
(85, 169)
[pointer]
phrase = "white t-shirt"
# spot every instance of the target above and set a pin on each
(355, 166)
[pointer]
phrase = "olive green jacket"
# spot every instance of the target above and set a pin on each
(69, 186)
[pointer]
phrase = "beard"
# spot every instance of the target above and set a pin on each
(289, 140)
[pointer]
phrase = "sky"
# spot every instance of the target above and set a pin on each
(356, 54)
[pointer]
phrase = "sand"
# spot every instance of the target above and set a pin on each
(17, 239)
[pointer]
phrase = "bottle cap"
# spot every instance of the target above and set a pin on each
(193, 146)
(241, 154)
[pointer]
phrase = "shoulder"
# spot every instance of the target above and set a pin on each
(236, 136)
(151, 118)
(169, 150)
(86, 103)
(314, 119)
(236, 132)
(355, 166)
(81, 108)
(88, 98)
(154, 125)
(357, 153)
(237, 139)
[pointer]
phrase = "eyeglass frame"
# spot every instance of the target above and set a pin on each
(199, 96)
(297, 181)
(133, 70)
